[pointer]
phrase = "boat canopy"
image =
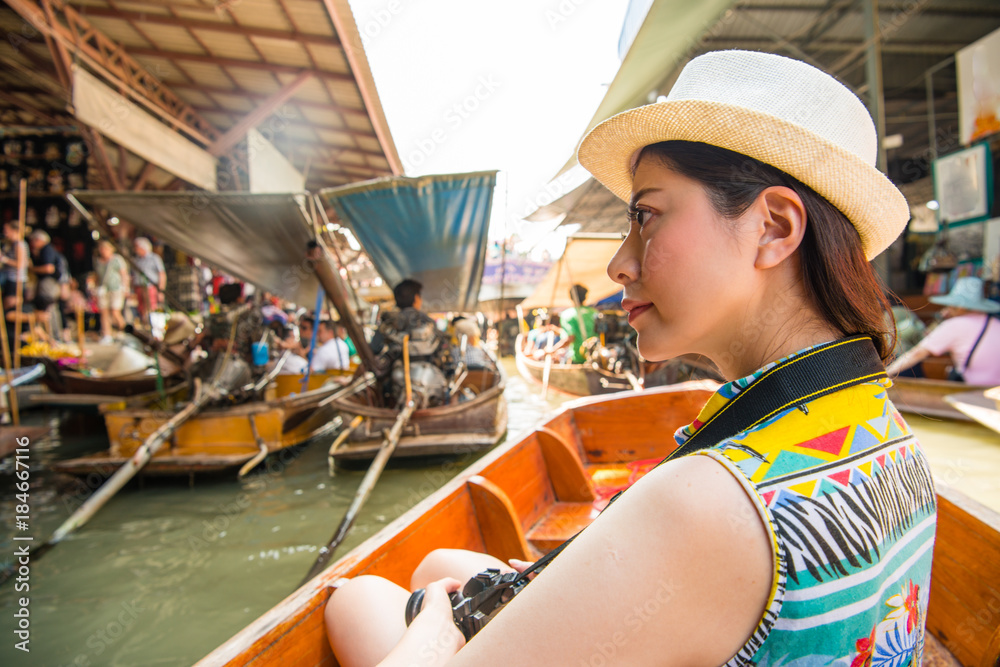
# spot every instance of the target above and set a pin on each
(258, 238)
(429, 228)
(584, 262)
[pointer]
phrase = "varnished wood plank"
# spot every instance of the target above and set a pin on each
(569, 480)
(563, 521)
(498, 522)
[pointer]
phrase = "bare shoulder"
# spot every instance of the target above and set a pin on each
(677, 571)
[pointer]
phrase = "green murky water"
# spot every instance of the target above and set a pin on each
(165, 573)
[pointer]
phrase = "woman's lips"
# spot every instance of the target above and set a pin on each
(638, 310)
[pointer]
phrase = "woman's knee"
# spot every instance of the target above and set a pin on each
(458, 563)
(364, 619)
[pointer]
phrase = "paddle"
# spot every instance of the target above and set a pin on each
(122, 476)
(548, 366)
(374, 472)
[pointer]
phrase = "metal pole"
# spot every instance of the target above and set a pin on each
(931, 121)
(873, 76)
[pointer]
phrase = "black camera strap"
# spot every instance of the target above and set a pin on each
(820, 371)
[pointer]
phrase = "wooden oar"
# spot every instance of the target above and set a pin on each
(374, 472)
(548, 366)
(122, 476)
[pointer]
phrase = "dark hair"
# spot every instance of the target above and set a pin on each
(838, 278)
(329, 325)
(306, 319)
(406, 292)
(578, 294)
(230, 293)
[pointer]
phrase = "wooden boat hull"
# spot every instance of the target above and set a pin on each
(288, 385)
(591, 380)
(447, 430)
(528, 496)
(215, 440)
(926, 397)
(66, 381)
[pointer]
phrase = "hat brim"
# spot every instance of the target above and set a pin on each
(982, 305)
(875, 207)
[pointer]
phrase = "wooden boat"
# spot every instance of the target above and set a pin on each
(589, 379)
(459, 428)
(980, 406)
(288, 385)
(927, 397)
(529, 495)
(73, 381)
(214, 440)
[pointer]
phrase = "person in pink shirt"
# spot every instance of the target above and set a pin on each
(970, 333)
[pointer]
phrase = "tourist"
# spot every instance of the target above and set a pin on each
(805, 538)
(150, 278)
(332, 353)
(112, 284)
(14, 260)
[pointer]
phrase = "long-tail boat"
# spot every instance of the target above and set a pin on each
(928, 397)
(432, 229)
(529, 495)
(591, 379)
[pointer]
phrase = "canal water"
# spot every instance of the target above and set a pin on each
(165, 573)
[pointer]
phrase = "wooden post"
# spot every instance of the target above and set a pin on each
(19, 290)
(11, 394)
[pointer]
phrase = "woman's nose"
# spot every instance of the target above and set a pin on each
(624, 266)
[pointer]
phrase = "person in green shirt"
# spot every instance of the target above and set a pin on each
(578, 322)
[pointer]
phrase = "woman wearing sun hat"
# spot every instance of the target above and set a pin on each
(968, 333)
(805, 535)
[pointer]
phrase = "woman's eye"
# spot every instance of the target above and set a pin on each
(638, 216)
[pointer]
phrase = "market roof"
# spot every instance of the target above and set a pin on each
(916, 37)
(293, 69)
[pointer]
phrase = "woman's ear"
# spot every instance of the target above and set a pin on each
(782, 226)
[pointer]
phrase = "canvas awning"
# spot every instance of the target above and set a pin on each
(431, 229)
(258, 238)
(584, 262)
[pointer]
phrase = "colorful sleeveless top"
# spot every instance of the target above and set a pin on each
(847, 495)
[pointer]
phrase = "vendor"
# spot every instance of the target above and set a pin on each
(970, 334)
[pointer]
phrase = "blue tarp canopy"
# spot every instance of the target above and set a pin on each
(429, 228)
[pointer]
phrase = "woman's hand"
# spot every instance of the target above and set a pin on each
(432, 638)
(521, 566)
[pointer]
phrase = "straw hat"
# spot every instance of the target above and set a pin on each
(967, 293)
(780, 111)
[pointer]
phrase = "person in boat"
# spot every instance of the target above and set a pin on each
(431, 361)
(578, 321)
(969, 333)
(475, 357)
(236, 321)
(332, 352)
(547, 339)
(806, 538)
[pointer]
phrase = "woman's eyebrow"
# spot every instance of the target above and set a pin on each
(641, 193)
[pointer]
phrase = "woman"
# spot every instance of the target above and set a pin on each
(970, 334)
(804, 539)
(112, 285)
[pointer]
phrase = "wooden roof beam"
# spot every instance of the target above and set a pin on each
(107, 57)
(239, 92)
(25, 106)
(236, 133)
(236, 62)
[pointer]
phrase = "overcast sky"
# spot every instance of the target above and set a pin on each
(473, 85)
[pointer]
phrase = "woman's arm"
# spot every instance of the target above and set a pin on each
(676, 572)
(911, 358)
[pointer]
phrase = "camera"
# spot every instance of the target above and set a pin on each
(481, 598)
